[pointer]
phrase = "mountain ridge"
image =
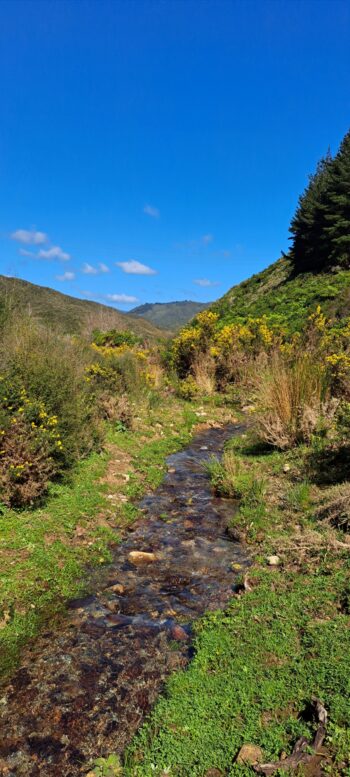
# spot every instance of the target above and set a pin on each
(169, 315)
(67, 314)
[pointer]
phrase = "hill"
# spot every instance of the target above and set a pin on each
(68, 314)
(169, 315)
(285, 297)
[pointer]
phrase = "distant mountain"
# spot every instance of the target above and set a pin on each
(67, 314)
(169, 315)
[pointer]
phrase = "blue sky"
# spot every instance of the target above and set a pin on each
(152, 151)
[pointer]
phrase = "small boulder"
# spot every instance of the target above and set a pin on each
(273, 561)
(138, 557)
(250, 755)
(118, 588)
(178, 633)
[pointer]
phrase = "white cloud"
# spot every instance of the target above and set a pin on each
(29, 237)
(67, 276)
(152, 211)
(206, 239)
(205, 282)
(88, 269)
(54, 253)
(24, 252)
(136, 268)
(122, 298)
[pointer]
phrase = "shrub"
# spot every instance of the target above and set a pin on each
(115, 339)
(116, 408)
(188, 388)
(46, 403)
(25, 464)
(291, 400)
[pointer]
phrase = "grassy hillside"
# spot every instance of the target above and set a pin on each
(284, 297)
(67, 314)
(169, 315)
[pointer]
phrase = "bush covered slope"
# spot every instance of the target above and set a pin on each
(64, 313)
(284, 297)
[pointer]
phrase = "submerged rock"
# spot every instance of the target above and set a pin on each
(137, 557)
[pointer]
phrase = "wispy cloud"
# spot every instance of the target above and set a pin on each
(25, 252)
(206, 239)
(55, 252)
(29, 237)
(121, 298)
(67, 276)
(205, 282)
(197, 244)
(150, 210)
(136, 268)
(89, 269)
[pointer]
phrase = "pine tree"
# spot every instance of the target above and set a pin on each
(309, 249)
(337, 210)
(320, 227)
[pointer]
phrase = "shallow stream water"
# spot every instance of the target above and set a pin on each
(82, 692)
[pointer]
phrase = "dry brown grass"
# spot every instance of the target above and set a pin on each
(334, 507)
(204, 374)
(291, 400)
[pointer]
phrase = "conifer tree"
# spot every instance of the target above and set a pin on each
(337, 208)
(307, 226)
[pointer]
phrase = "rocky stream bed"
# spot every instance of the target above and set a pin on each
(83, 691)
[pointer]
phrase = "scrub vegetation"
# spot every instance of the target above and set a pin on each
(274, 666)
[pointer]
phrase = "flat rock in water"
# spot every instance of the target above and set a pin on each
(137, 557)
(178, 633)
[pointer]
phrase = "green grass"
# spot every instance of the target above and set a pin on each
(256, 668)
(284, 299)
(259, 664)
(42, 556)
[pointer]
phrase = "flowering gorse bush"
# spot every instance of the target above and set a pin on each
(31, 448)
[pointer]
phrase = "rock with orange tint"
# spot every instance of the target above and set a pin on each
(250, 755)
(178, 633)
(138, 557)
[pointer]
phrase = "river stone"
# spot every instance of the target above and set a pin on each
(273, 561)
(137, 557)
(118, 588)
(178, 633)
(250, 754)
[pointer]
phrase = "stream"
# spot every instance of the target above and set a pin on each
(83, 692)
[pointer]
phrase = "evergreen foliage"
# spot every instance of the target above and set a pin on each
(320, 227)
